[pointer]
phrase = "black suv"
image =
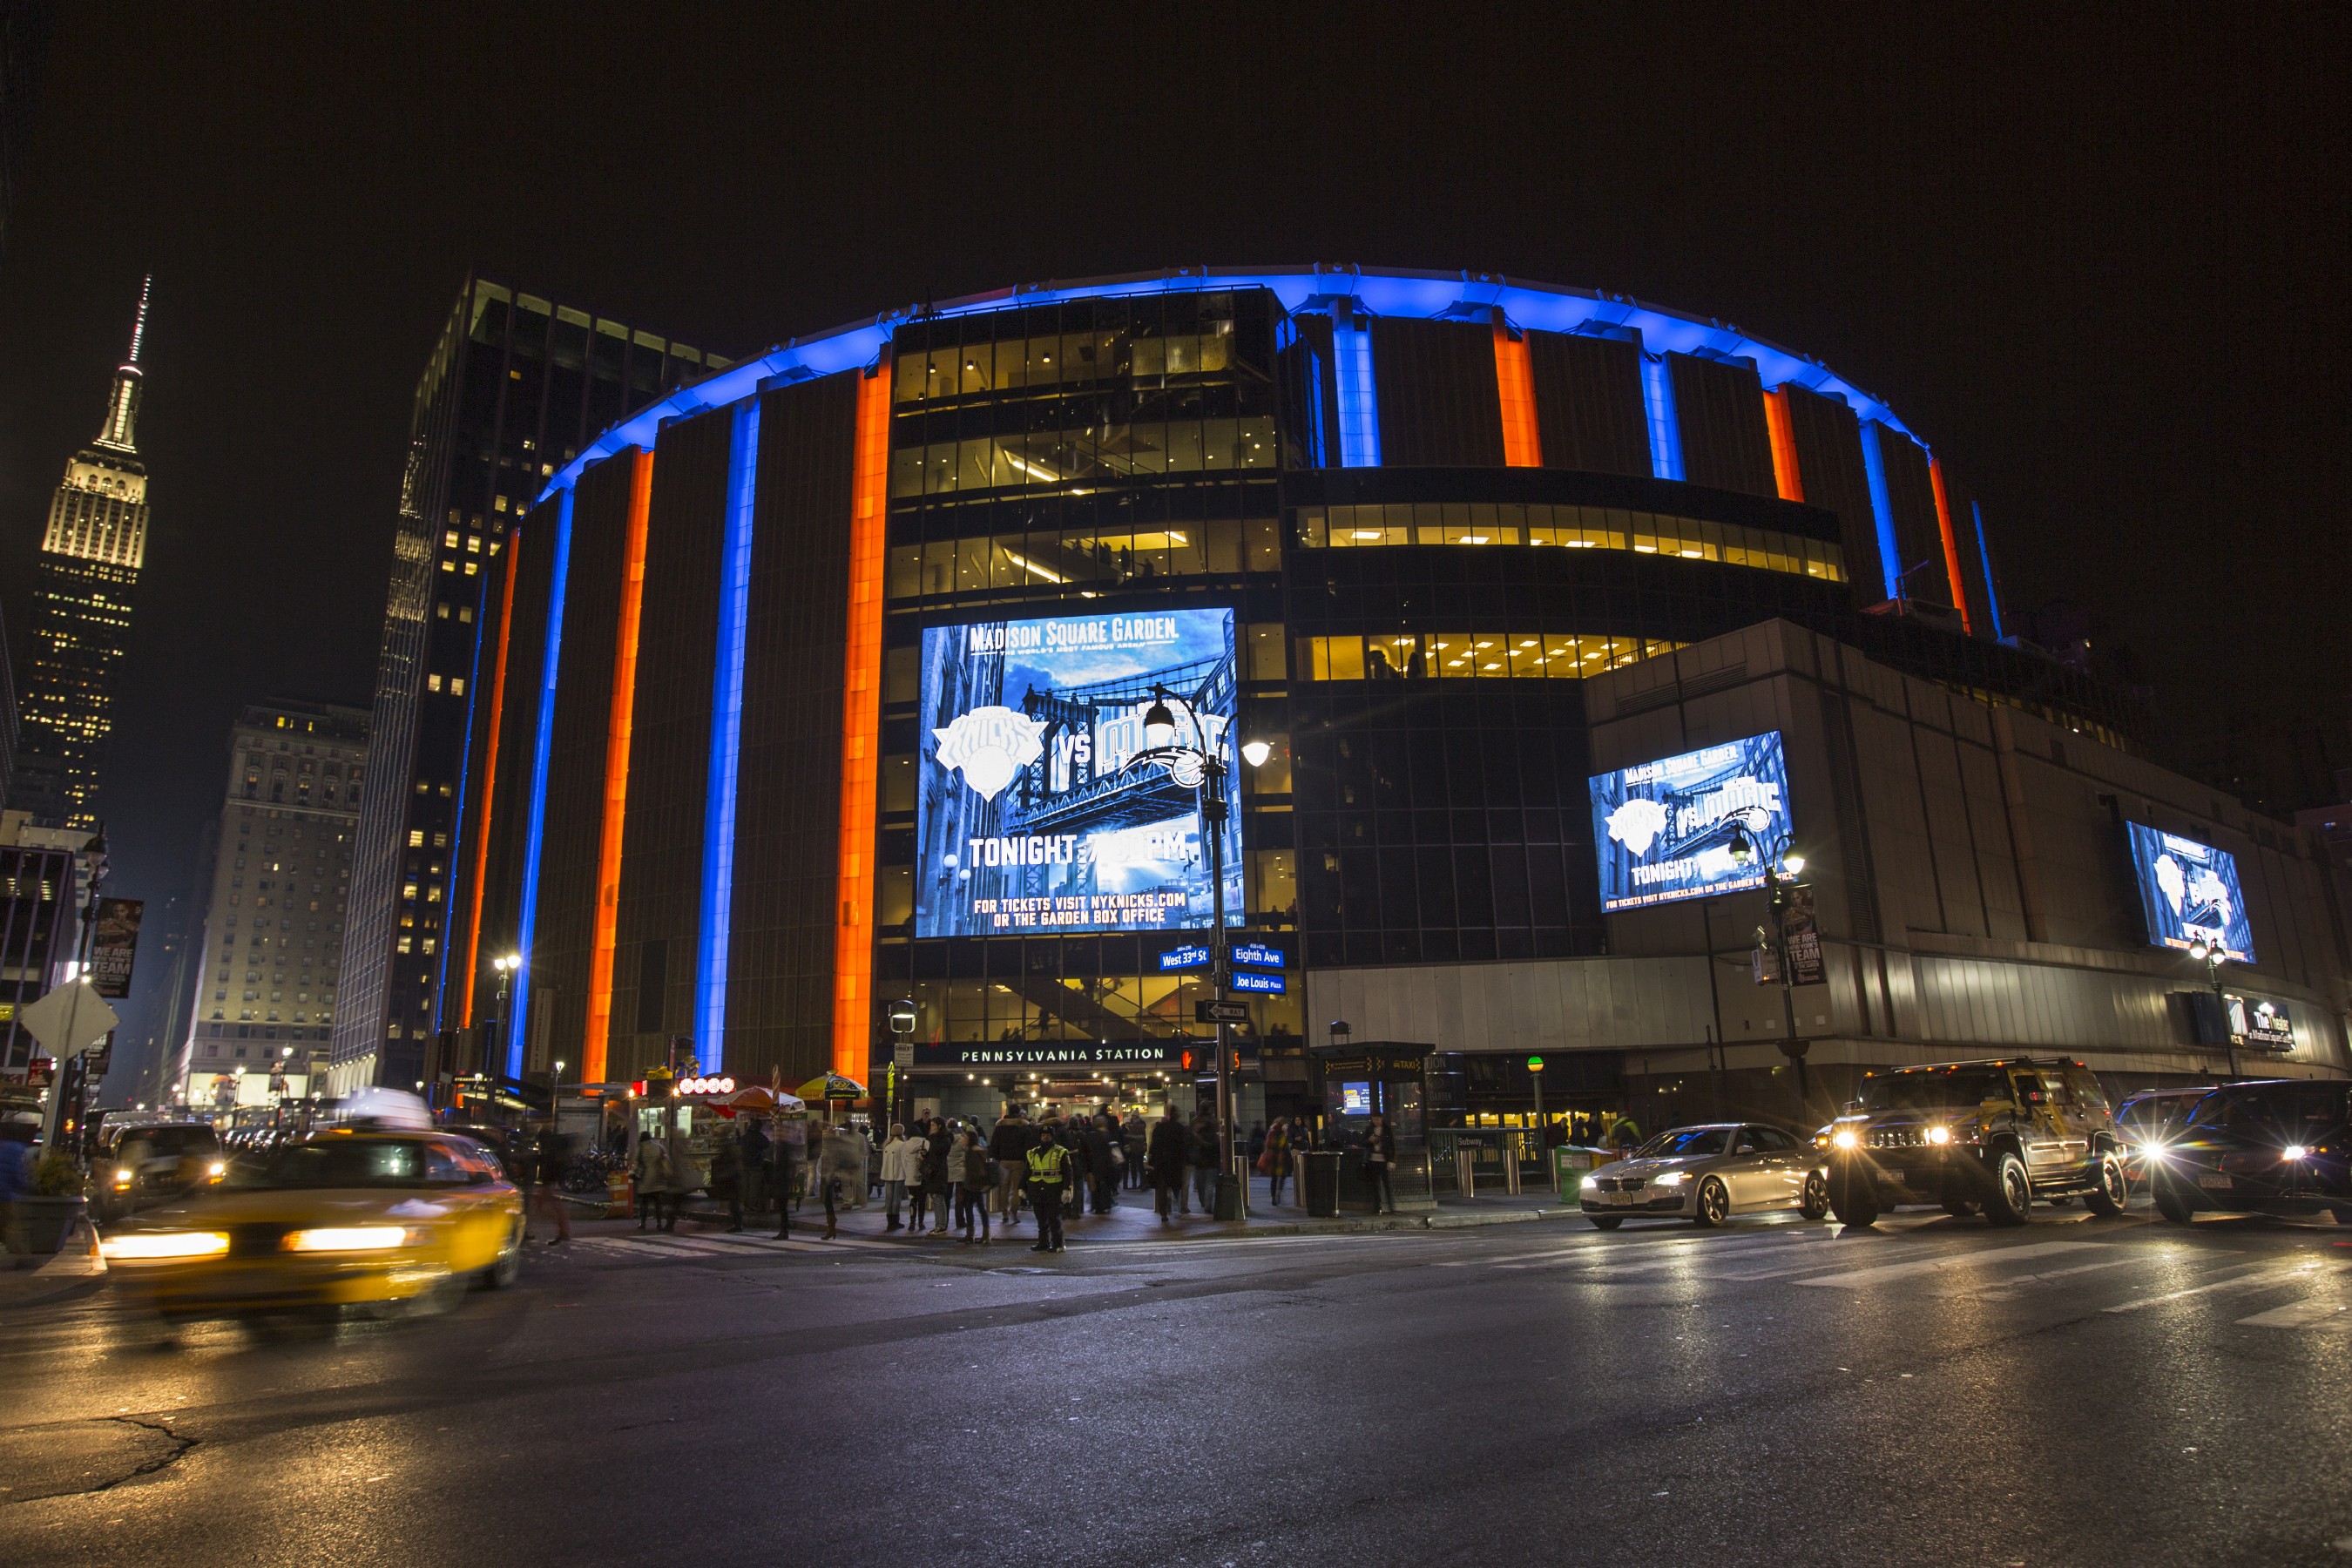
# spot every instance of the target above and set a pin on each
(1987, 1137)
(2281, 1147)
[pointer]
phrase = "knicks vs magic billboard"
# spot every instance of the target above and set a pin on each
(1664, 830)
(1037, 810)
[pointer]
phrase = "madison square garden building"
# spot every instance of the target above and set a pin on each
(1555, 618)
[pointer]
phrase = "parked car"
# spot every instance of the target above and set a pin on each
(1987, 1137)
(2280, 1146)
(1709, 1173)
(2152, 1117)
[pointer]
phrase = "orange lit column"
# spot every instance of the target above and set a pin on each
(861, 730)
(616, 775)
(489, 784)
(1951, 545)
(1785, 476)
(1522, 445)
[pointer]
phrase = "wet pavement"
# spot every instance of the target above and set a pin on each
(1931, 1390)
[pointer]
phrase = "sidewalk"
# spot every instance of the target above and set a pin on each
(1133, 1220)
(28, 1281)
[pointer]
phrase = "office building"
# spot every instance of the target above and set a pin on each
(514, 388)
(48, 886)
(880, 668)
(269, 954)
(86, 578)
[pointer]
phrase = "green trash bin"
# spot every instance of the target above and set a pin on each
(1569, 1167)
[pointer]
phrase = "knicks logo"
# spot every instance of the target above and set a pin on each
(989, 745)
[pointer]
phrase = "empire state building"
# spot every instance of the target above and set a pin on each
(89, 568)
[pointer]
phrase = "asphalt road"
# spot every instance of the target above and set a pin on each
(1928, 1390)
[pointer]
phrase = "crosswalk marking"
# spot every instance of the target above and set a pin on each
(1910, 1266)
(2264, 1278)
(2296, 1314)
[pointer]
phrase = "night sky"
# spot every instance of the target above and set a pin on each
(2096, 257)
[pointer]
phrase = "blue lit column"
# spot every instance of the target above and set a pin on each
(536, 829)
(1360, 402)
(1881, 509)
(726, 735)
(1665, 430)
(1992, 595)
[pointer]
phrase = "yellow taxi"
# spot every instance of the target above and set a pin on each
(397, 1219)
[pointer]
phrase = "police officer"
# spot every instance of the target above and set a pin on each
(1049, 1178)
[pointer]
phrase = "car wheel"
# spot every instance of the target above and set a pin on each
(1606, 1221)
(1816, 1200)
(2010, 1201)
(2107, 1199)
(1714, 1203)
(507, 1267)
(1851, 1199)
(2170, 1203)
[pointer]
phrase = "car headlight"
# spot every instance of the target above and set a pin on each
(121, 1178)
(1939, 1134)
(2294, 1151)
(144, 1246)
(2154, 1151)
(348, 1238)
(1589, 1182)
(1671, 1179)
(216, 1170)
(1844, 1138)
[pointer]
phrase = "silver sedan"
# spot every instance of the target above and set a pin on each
(1709, 1173)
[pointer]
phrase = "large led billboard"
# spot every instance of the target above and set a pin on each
(1036, 811)
(2189, 891)
(1665, 830)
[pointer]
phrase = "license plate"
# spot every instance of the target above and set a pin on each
(1620, 1199)
(1900, 1178)
(2221, 1181)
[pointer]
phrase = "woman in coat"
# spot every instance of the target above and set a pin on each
(649, 1168)
(899, 1174)
(976, 1178)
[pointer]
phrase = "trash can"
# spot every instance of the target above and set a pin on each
(1569, 1167)
(1318, 1182)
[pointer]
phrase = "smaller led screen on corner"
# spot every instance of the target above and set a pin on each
(1035, 812)
(1665, 830)
(2189, 890)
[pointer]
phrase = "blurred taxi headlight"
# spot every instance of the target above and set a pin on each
(147, 1245)
(1939, 1134)
(216, 1170)
(1671, 1179)
(2294, 1151)
(121, 1178)
(348, 1238)
(1844, 1138)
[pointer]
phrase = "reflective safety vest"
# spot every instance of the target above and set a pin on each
(1047, 1161)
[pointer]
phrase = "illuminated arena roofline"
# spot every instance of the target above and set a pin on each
(1540, 307)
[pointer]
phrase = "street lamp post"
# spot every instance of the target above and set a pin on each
(2211, 956)
(1782, 870)
(1201, 766)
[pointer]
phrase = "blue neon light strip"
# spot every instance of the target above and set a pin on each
(1993, 595)
(1360, 398)
(536, 830)
(1533, 306)
(726, 735)
(1666, 430)
(1881, 509)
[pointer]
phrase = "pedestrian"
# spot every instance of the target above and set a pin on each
(1379, 1153)
(1167, 1159)
(1626, 1135)
(727, 1180)
(685, 1178)
(1009, 1146)
(1102, 1166)
(900, 1168)
(1275, 1160)
(1138, 1137)
(1049, 1177)
(938, 1179)
(1256, 1144)
(841, 1164)
(650, 1169)
(751, 1154)
(975, 1176)
(1207, 1158)
(547, 1196)
(15, 1179)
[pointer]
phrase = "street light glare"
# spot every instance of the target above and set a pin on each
(1254, 753)
(1796, 865)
